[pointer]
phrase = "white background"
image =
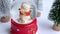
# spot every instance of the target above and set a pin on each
(44, 25)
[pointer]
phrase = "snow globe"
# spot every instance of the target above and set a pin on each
(27, 22)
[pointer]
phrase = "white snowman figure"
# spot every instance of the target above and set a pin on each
(25, 12)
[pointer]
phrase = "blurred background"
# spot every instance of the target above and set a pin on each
(44, 25)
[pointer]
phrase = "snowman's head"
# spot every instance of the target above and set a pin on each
(26, 5)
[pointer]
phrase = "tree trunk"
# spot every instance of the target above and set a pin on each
(56, 28)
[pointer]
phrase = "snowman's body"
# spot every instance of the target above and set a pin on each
(27, 18)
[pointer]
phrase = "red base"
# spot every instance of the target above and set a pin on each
(23, 28)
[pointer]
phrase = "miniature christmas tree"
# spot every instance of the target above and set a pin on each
(5, 7)
(54, 14)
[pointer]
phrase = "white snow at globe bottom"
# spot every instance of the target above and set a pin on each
(26, 19)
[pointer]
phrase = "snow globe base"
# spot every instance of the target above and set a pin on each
(30, 28)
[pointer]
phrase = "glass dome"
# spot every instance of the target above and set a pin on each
(26, 12)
